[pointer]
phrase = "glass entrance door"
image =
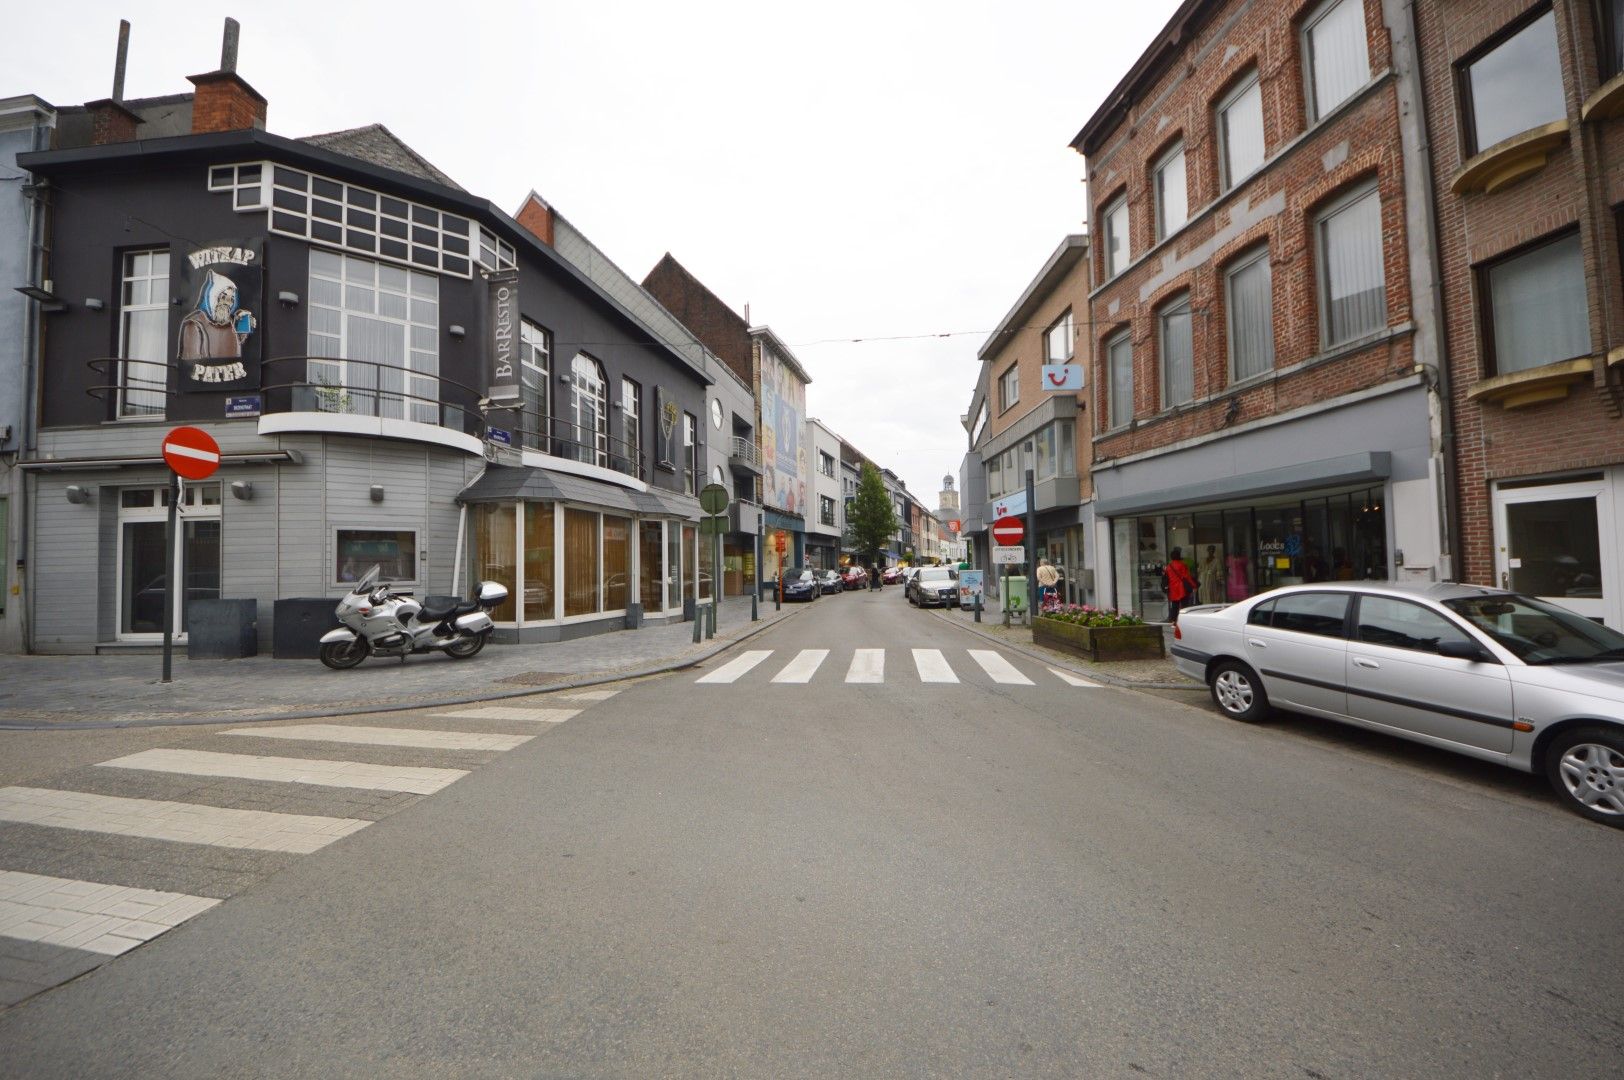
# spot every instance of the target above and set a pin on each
(144, 578)
(1550, 542)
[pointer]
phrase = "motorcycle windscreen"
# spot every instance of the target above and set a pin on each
(368, 579)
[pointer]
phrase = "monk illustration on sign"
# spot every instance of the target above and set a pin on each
(215, 329)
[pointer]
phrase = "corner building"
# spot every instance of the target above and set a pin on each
(1266, 358)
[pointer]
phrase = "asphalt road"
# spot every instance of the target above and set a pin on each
(897, 878)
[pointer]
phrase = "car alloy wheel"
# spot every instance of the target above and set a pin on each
(1586, 768)
(1237, 691)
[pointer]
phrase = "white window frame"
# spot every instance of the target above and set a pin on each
(1060, 333)
(631, 420)
(419, 364)
(1113, 267)
(1179, 306)
(1227, 178)
(535, 373)
(1114, 408)
(417, 552)
(588, 383)
(1317, 109)
(192, 508)
(1246, 262)
(1009, 388)
(1322, 283)
(134, 380)
(690, 453)
(1165, 227)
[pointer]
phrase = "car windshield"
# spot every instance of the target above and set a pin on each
(799, 573)
(1540, 633)
(937, 575)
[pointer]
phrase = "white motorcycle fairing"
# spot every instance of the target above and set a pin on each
(337, 634)
(475, 623)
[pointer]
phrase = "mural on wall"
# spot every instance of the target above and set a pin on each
(783, 416)
(217, 346)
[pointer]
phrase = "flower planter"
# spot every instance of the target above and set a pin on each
(1098, 643)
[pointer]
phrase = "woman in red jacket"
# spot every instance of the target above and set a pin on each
(1181, 584)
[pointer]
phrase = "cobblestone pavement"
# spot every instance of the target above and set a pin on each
(1138, 674)
(105, 690)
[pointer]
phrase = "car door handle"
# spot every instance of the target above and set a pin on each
(1362, 662)
(1256, 643)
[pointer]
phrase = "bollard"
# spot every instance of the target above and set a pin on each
(699, 621)
(976, 607)
(755, 599)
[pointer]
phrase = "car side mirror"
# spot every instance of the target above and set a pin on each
(1463, 650)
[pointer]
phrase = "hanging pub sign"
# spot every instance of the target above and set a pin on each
(668, 448)
(502, 382)
(218, 345)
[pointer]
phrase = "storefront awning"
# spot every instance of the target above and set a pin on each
(655, 502)
(507, 483)
(1369, 465)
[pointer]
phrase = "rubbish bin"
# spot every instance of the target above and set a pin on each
(299, 624)
(222, 629)
(1015, 595)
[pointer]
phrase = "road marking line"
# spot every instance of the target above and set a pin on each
(730, 671)
(189, 823)
(89, 915)
(382, 736)
(513, 712)
(803, 667)
(933, 666)
(1073, 679)
(1001, 670)
(867, 666)
(346, 774)
(589, 695)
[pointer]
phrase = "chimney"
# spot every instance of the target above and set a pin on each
(110, 120)
(536, 216)
(223, 101)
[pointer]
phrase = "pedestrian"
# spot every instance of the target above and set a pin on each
(874, 581)
(1048, 577)
(1180, 584)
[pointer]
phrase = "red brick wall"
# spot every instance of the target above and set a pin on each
(715, 324)
(1357, 144)
(224, 102)
(1580, 185)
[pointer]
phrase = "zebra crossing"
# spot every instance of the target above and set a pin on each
(868, 666)
(139, 827)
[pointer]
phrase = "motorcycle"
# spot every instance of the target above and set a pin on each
(377, 621)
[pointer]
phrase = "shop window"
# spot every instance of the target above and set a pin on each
(393, 551)
(1610, 26)
(650, 565)
(1116, 237)
(1240, 132)
(707, 567)
(690, 452)
(1352, 281)
(373, 339)
(1172, 193)
(1249, 295)
(1515, 85)
(143, 333)
(616, 562)
(631, 422)
(1537, 310)
(540, 545)
(1336, 57)
(581, 563)
(1119, 355)
(1057, 340)
(1177, 354)
(1322, 614)
(589, 403)
(1009, 388)
(535, 368)
(1399, 624)
(689, 535)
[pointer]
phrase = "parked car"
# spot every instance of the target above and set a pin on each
(906, 576)
(933, 585)
(801, 584)
(830, 581)
(855, 577)
(891, 575)
(1483, 672)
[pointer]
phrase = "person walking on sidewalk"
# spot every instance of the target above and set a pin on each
(1048, 578)
(1181, 584)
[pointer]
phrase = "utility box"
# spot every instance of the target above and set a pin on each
(1015, 594)
(299, 624)
(222, 629)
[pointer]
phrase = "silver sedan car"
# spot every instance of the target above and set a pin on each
(1482, 672)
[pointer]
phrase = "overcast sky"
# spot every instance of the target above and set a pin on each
(850, 170)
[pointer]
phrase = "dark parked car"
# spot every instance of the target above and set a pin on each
(801, 584)
(830, 580)
(892, 575)
(932, 585)
(855, 577)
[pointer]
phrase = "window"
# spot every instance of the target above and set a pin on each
(392, 551)
(1116, 237)
(377, 329)
(1044, 443)
(1249, 295)
(826, 510)
(1178, 360)
(581, 560)
(1336, 57)
(1324, 614)
(1009, 388)
(589, 404)
(1240, 133)
(3, 536)
(1172, 193)
(1119, 355)
(1514, 86)
(143, 334)
(690, 452)
(540, 544)
(1610, 24)
(1057, 346)
(826, 464)
(631, 422)
(1537, 310)
(979, 426)
(1399, 624)
(995, 476)
(1066, 446)
(1352, 289)
(1261, 614)
(535, 363)
(617, 565)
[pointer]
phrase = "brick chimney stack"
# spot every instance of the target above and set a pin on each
(111, 121)
(536, 216)
(223, 100)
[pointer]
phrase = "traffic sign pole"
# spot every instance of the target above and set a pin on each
(170, 575)
(192, 453)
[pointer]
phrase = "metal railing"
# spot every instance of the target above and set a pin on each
(747, 451)
(562, 437)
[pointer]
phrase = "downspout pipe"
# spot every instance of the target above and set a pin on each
(33, 358)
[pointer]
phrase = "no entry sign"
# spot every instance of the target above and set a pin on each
(1008, 531)
(191, 453)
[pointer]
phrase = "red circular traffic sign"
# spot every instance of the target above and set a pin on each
(1008, 531)
(192, 453)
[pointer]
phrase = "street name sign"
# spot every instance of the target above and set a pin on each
(1008, 531)
(191, 453)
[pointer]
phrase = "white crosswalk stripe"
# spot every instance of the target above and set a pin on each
(588, 695)
(730, 671)
(89, 915)
(348, 774)
(867, 666)
(512, 712)
(1073, 680)
(803, 667)
(382, 736)
(998, 668)
(933, 666)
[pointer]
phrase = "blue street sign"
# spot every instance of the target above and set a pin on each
(497, 435)
(243, 405)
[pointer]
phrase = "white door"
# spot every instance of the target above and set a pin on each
(145, 569)
(1557, 542)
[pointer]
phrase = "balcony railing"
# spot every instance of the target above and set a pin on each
(562, 437)
(745, 452)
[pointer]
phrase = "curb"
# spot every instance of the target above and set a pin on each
(657, 668)
(1094, 676)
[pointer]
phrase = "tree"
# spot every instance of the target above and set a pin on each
(871, 519)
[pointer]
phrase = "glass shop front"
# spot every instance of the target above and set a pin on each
(1237, 551)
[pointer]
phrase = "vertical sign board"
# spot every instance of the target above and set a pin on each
(667, 448)
(218, 345)
(502, 381)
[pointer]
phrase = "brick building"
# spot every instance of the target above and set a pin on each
(1265, 395)
(1523, 105)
